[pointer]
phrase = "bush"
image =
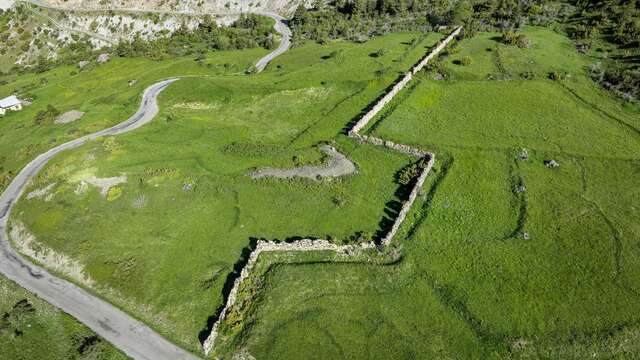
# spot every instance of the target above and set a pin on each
(512, 38)
(46, 116)
(465, 61)
(406, 175)
(379, 53)
(556, 76)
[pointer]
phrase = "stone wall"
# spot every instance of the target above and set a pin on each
(324, 245)
(402, 83)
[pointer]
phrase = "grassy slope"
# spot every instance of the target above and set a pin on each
(569, 291)
(167, 261)
(32, 329)
(102, 92)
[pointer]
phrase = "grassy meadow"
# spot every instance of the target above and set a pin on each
(32, 329)
(503, 256)
(162, 244)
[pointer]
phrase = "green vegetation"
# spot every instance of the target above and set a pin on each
(249, 31)
(102, 92)
(29, 36)
(162, 244)
(503, 256)
(32, 329)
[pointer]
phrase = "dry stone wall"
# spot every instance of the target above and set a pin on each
(324, 245)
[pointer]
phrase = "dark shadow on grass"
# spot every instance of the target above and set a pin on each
(354, 120)
(226, 288)
(391, 107)
(519, 199)
(370, 106)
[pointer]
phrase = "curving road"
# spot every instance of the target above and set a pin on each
(285, 42)
(128, 334)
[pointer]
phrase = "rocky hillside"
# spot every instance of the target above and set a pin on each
(282, 7)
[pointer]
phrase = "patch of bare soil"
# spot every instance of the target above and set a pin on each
(69, 117)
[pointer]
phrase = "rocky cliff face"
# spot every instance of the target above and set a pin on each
(282, 7)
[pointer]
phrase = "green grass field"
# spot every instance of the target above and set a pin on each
(488, 270)
(162, 244)
(471, 284)
(32, 329)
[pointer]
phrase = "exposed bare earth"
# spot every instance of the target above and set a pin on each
(284, 7)
(338, 165)
(69, 116)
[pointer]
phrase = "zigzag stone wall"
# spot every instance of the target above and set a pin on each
(324, 245)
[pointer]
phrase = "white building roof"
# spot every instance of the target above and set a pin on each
(9, 102)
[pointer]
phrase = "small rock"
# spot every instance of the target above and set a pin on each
(551, 164)
(438, 77)
(132, 82)
(83, 63)
(524, 154)
(103, 58)
(187, 187)
(521, 189)
(526, 236)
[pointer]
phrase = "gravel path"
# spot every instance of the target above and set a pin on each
(128, 334)
(337, 166)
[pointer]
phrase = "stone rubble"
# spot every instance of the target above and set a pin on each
(551, 164)
(103, 58)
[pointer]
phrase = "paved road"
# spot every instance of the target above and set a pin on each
(285, 43)
(129, 335)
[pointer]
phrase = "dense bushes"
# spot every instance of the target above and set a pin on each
(512, 38)
(46, 116)
(249, 31)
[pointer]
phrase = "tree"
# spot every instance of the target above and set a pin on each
(462, 12)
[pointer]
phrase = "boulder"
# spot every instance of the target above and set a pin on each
(524, 154)
(83, 63)
(103, 58)
(551, 163)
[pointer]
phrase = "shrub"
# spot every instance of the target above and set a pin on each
(465, 61)
(556, 76)
(406, 175)
(46, 116)
(512, 38)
